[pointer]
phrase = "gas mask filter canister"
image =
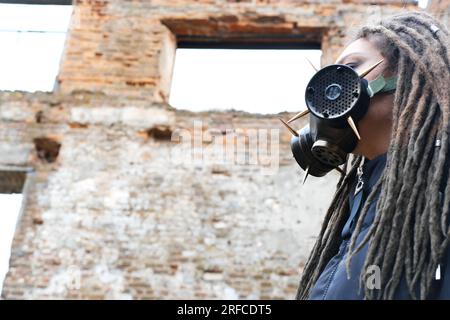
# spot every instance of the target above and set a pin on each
(337, 98)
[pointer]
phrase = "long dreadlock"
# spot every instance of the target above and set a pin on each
(410, 232)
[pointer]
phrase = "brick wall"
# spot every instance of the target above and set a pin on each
(115, 208)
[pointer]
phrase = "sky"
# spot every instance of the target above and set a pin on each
(29, 59)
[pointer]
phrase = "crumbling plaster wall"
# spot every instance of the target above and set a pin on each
(122, 214)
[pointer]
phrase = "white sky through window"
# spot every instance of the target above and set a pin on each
(10, 208)
(259, 81)
(32, 39)
(423, 3)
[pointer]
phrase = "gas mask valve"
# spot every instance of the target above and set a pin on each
(328, 153)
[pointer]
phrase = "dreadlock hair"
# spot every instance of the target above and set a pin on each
(410, 232)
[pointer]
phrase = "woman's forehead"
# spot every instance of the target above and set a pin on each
(360, 48)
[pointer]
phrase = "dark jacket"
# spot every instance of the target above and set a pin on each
(333, 282)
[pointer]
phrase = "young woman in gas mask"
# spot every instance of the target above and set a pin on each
(400, 230)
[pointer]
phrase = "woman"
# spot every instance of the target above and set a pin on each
(392, 241)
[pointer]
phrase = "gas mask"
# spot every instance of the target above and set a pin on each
(337, 98)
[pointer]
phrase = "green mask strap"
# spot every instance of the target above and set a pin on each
(381, 84)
